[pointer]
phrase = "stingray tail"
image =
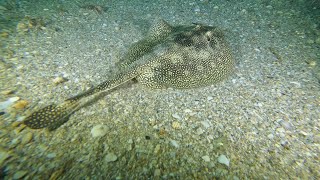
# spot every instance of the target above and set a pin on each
(52, 116)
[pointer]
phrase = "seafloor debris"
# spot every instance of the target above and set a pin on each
(20, 104)
(59, 80)
(28, 23)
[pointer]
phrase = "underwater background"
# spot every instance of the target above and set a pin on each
(260, 123)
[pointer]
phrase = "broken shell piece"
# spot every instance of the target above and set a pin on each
(9, 102)
(222, 159)
(59, 80)
(20, 104)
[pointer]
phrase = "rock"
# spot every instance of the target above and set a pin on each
(209, 98)
(222, 159)
(270, 136)
(174, 143)
(176, 125)
(206, 158)
(7, 92)
(176, 116)
(111, 157)
(206, 123)
(26, 138)
(318, 40)
(199, 131)
(99, 131)
(19, 174)
(59, 80)
(8, 103)
(20, 104)
(51, 155)
(157, 172)
(157, 149)
(3, 156)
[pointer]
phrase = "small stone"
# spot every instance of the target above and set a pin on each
(174, 143)
(7, 92)
(3, 8)
(199, 131)
(312, 63)
(18, 129)
(206, 124)
(318, 40)
(157, 172)
(111, 157)
(20, 104)
(15, 124)
(303, 133)
(206, 158)
(222, 159)
(270, 136)
(3, 156)
(4, 34)
(59, 80)
(57, 174)
(99, 131)
(51, 155)
(281, 130)
(176, 125)
(19, 174)
(26, 138)
(8, 103)
(209, 98)
(156, 149)
(176, 116)
(310, 41)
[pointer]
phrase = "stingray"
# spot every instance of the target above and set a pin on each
(179, 57)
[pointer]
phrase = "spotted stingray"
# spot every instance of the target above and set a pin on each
(169, 56)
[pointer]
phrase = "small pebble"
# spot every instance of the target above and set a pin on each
(59, 80)
(99, 131)
(19, 174)
(20, 104)
(26, 138)
(156, 149)
(174, 143)
(318, 40)
(51, 155)
(270, 136)
(199, 131)
(206, 158)
(176, 116)
(111, 157)
(206, 124)
(7, 92)
(3, 156)
(15, 124)
(8, 103)
(312, 63)
(18, 129)
(223, 160)
(176, 125)
(157, 172)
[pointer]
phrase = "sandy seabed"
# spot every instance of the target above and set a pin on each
(261, 123)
